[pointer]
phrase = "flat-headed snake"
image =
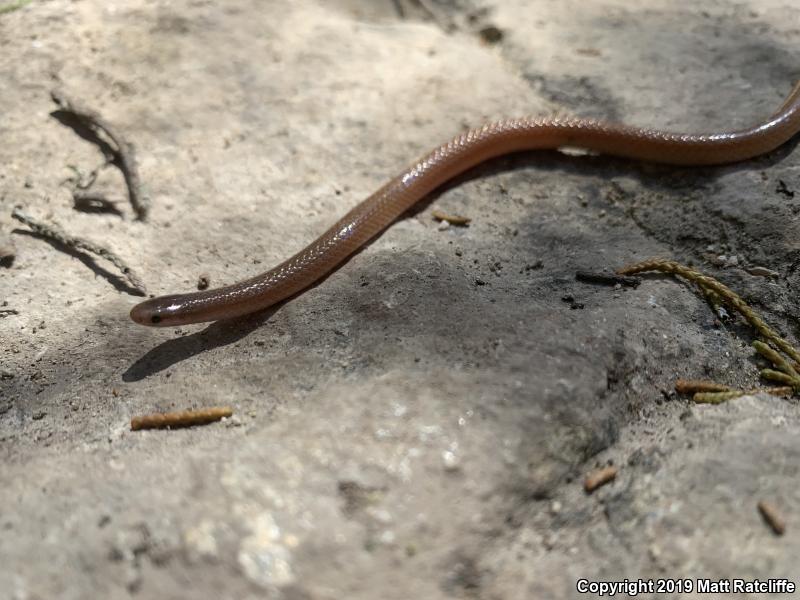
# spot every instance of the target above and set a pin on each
(377, 212)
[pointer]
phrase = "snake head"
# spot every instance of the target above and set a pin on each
(164, 311)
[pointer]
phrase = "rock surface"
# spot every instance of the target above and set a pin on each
(419, 424)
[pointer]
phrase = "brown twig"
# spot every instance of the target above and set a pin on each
(451, 219)
(720, 397)
(599, 478)
(124, 153)
(709, 392)
(772, 517)
(694, 386)
(55, 232)
(186, 418)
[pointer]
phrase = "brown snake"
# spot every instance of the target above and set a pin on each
(377, 212)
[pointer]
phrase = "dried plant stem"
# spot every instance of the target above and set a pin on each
(713, 298)
(451, 219)
(778, 377)
(181, 419)
(777, 360)
(730, 297)
(124, 152)
(709, 392)
(773, 518)
(599, 478)
(694, 386)
(55, 232)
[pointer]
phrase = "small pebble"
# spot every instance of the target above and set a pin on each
(491, 34)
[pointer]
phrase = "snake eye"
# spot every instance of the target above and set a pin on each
(155, 319)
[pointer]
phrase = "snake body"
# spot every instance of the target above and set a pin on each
(465, 151)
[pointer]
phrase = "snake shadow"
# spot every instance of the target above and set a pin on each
(216, 335)
(85, 132)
